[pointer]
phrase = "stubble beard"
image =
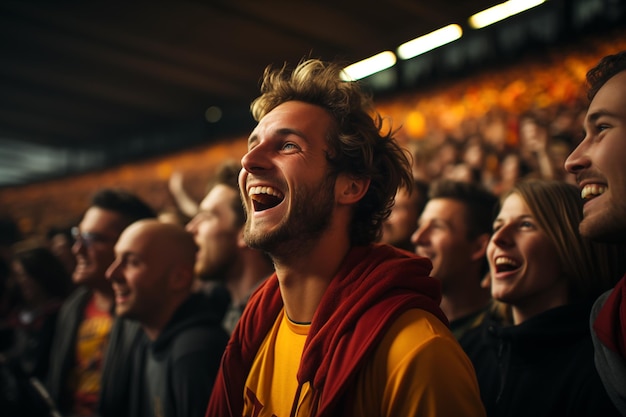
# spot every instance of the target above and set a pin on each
(213, 273)
(216, 270)
(309, 217)
(603, 227)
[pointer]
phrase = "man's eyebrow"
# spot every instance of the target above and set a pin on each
(290, 131)
(599, 113)
(282, 132)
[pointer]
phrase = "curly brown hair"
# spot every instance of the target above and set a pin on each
(357, 146)
(608, 66)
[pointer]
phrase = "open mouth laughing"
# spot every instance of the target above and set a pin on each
(265, 197)
(506, 264)
(121, 294)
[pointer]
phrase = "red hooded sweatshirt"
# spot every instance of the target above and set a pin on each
(373, 287)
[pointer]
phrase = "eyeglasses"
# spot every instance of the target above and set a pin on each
(89, 238)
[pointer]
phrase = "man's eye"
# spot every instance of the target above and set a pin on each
(130, 262)
(289, 146)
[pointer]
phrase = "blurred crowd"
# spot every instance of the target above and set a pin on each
(137, 310)
(501, 148)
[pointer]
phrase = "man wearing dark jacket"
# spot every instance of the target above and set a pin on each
(223, 256)
(174, 367)
(85, 324)
(598, 163)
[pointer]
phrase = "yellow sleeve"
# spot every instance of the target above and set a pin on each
(419, 369)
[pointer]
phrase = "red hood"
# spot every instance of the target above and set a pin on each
(373, 287)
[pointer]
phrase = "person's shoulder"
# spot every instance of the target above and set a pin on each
(79, 293)
(419, 340)
(393, 261)
(473, 338)
(599, 303)
(418, 329)
(75, 301)
(200, 338)
(212, 306)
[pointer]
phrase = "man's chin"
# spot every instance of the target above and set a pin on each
(122, 311)
(207, 276)
(82, 278)
(79, 279)
(601, 231)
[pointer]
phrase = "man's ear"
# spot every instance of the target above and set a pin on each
(480, 247)
(350, 190)
(181, 277)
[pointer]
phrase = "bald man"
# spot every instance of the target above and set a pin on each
(174, 366)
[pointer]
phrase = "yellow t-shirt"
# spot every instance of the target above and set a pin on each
(419, 369)
(271, 385)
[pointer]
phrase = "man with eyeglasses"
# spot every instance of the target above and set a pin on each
(86, 322)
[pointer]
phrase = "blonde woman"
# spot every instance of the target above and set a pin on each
(548, 276)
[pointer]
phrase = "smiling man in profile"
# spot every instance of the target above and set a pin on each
(174, 365)
(223, 256)
(84, 326)
(599, 165)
